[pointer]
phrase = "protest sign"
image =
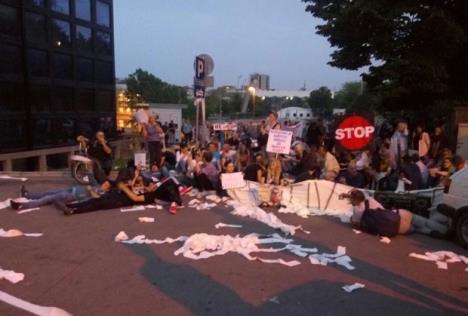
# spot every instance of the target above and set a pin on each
(140, 159)
(279, 141)
(232, 180)
(225, 127)
(354, 133)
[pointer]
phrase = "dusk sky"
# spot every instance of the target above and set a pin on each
(275, 37)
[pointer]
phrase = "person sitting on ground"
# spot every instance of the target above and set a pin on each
(227, 154)
(331, 167)
(257, 171)
(243, 157)
(228, 167)
(206, 174)
(352, 176)
(213, 149)
(168, 162)
(311, 170)
(410, 171)
(183, 158)
(302, 158)
(407, 223)
(422, 168)
(74, 193)
(274, 172)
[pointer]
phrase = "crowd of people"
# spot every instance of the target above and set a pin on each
(397, 159)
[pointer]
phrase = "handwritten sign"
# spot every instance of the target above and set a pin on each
(279, 141)
(225, 127)
(232, 180)
(140, 159)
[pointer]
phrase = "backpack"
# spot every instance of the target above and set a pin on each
(382, 222)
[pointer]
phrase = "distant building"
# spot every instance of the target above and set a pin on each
(295, 114)
(260, 81)
(288, 94)
(56, 72)
(168, 112)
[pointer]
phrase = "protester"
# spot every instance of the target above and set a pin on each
(421, 141)
(406, 222)
(438, 143)
(331, 167)
(100, 150)
(257, 171)
(410, 171)
(353, 177)
(206, 174)
(399, 142)
(153, 133)
(187, 130)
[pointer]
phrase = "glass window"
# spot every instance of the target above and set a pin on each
(64, 99)
(102, 13)
(8, 22)
(42, 127)
(85, 100)
(40, 99)
(13, 134)
(37, 3)
(9, 59)
(61, 6)
(85, 69)
(83, 9)
(11, 98)
(103, 43)
(63, 66)
(61, 33)
(104, 73)
(105, 101)
(84, 38)
(38, 63)
(36, 28)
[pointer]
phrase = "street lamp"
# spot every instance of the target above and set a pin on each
(252, 91)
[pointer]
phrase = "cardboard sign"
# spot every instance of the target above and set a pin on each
(232, 180)
(140, 159)
(279, 141)
(225, 127)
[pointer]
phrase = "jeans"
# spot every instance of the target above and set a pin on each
(44, 198)
(424, 225)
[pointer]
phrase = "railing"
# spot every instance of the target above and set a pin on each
(122, 148)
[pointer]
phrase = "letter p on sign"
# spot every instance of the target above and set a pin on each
(200, 68)
(354, 132)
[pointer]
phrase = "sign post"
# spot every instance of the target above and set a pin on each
(203, 66)
(354, 133)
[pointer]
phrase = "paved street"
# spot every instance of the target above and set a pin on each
(77, 266)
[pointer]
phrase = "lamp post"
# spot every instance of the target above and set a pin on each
(252, 91)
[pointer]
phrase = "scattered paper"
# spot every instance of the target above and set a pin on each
(121, 236)
(353, 287)
(17, 233)
(13, 178)
(32, 308)
(339, 258)
(151, 206)
(274, 300)
(220, 225)
(133, 209)
(441, 258)
(357, 232)
(146, 219)
(385, 240)
(12, 276)
(205, 206)
(213, 198)
(28, 210)
(194, 202)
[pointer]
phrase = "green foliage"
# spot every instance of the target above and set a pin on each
(153, 90)
(417, 51)
(321, 102)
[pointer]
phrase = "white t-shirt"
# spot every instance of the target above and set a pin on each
(358, 210)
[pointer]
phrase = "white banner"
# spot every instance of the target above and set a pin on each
(279, 141)
(232, 180)
(225, 126)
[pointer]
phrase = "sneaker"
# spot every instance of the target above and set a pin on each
(15, 205)
(64, 208)
(173, 208)
(24, 192)
(184, 190)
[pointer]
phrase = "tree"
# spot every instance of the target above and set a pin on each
(148, 88)
(417, 51)
(321, 102)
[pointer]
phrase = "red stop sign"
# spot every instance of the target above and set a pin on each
(354, 132)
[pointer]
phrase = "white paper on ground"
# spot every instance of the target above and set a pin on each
(32, 308)
(194, 202)
(133, 209)
(205, 206)
(12, 276)
(385, 240)
(146, 219)
(213, 198)
(353, 287)
(17, 233)
(13, 178)
(441, 258)
(339, 258)
(274, 300)
(357, 232)
(220, 225)
(262, 216)
(151, 206)
(28, 210)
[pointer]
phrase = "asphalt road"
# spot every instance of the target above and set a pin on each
(77, 266)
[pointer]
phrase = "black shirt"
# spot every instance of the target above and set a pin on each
(169, 158)
(96, 150)
(250, 172)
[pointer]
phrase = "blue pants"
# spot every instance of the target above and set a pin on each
(49, 197)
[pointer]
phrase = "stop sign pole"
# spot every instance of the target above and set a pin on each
(203, 67)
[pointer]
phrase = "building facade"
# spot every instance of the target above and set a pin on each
(295, 114)
(57, 77)
(260, 81)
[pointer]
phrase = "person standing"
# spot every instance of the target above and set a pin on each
(100, 150)
(187, 130)
(152, 132)
(421, 141)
